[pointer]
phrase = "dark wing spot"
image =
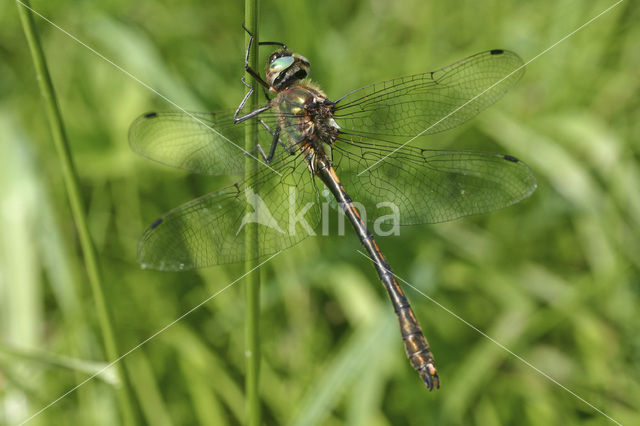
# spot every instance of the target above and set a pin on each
(511, 158)
(497, 52)
(156, 223)
(151, 115)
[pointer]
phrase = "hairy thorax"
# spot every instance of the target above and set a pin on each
(306, 116)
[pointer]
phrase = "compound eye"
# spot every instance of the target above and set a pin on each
(280, 64)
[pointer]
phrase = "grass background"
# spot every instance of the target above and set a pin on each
(556, 278)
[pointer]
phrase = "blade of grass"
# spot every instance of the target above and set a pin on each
(148, 391)
(49, 360)
(357, 357)
(58, 134)
(252, 323)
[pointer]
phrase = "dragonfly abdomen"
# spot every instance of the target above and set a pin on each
(415, 344)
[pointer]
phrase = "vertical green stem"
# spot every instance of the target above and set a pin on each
(71, 183)
(252, 323)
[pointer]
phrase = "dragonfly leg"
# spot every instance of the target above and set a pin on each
(274, 144)
(242, 118)
(263, 43)
(244, 100)
(250, 70)
(256, 76)
(261, 151)
(266, 94)
(252, 114)
(277, 139)
(266, 126)
(287, 148)
(247, 68)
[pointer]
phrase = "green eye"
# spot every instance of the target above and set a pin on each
(280, 64)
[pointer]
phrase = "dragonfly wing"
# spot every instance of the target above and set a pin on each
(210, 230)
(428, 186)
(205, 143)
(422, 104)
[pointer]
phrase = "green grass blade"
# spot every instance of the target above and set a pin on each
(252, 324)
(58, 134)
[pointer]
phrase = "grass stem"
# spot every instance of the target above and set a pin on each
(70, 177)
(252, 323)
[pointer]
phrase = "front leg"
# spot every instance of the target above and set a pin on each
(250, 70)
(247, 68)
(256, 76)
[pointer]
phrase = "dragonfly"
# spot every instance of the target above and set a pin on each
(362, 145)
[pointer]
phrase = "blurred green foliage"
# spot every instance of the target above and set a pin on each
(556, 279)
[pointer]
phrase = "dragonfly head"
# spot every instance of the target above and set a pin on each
(285, 68)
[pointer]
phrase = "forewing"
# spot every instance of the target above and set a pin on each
(210, 230)
(422, 104)
(205, 143)
(430, 186)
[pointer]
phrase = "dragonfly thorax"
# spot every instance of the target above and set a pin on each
(306, 115)
(285, 69)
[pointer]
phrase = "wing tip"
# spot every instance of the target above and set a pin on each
(532, 181)
(156, 223)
